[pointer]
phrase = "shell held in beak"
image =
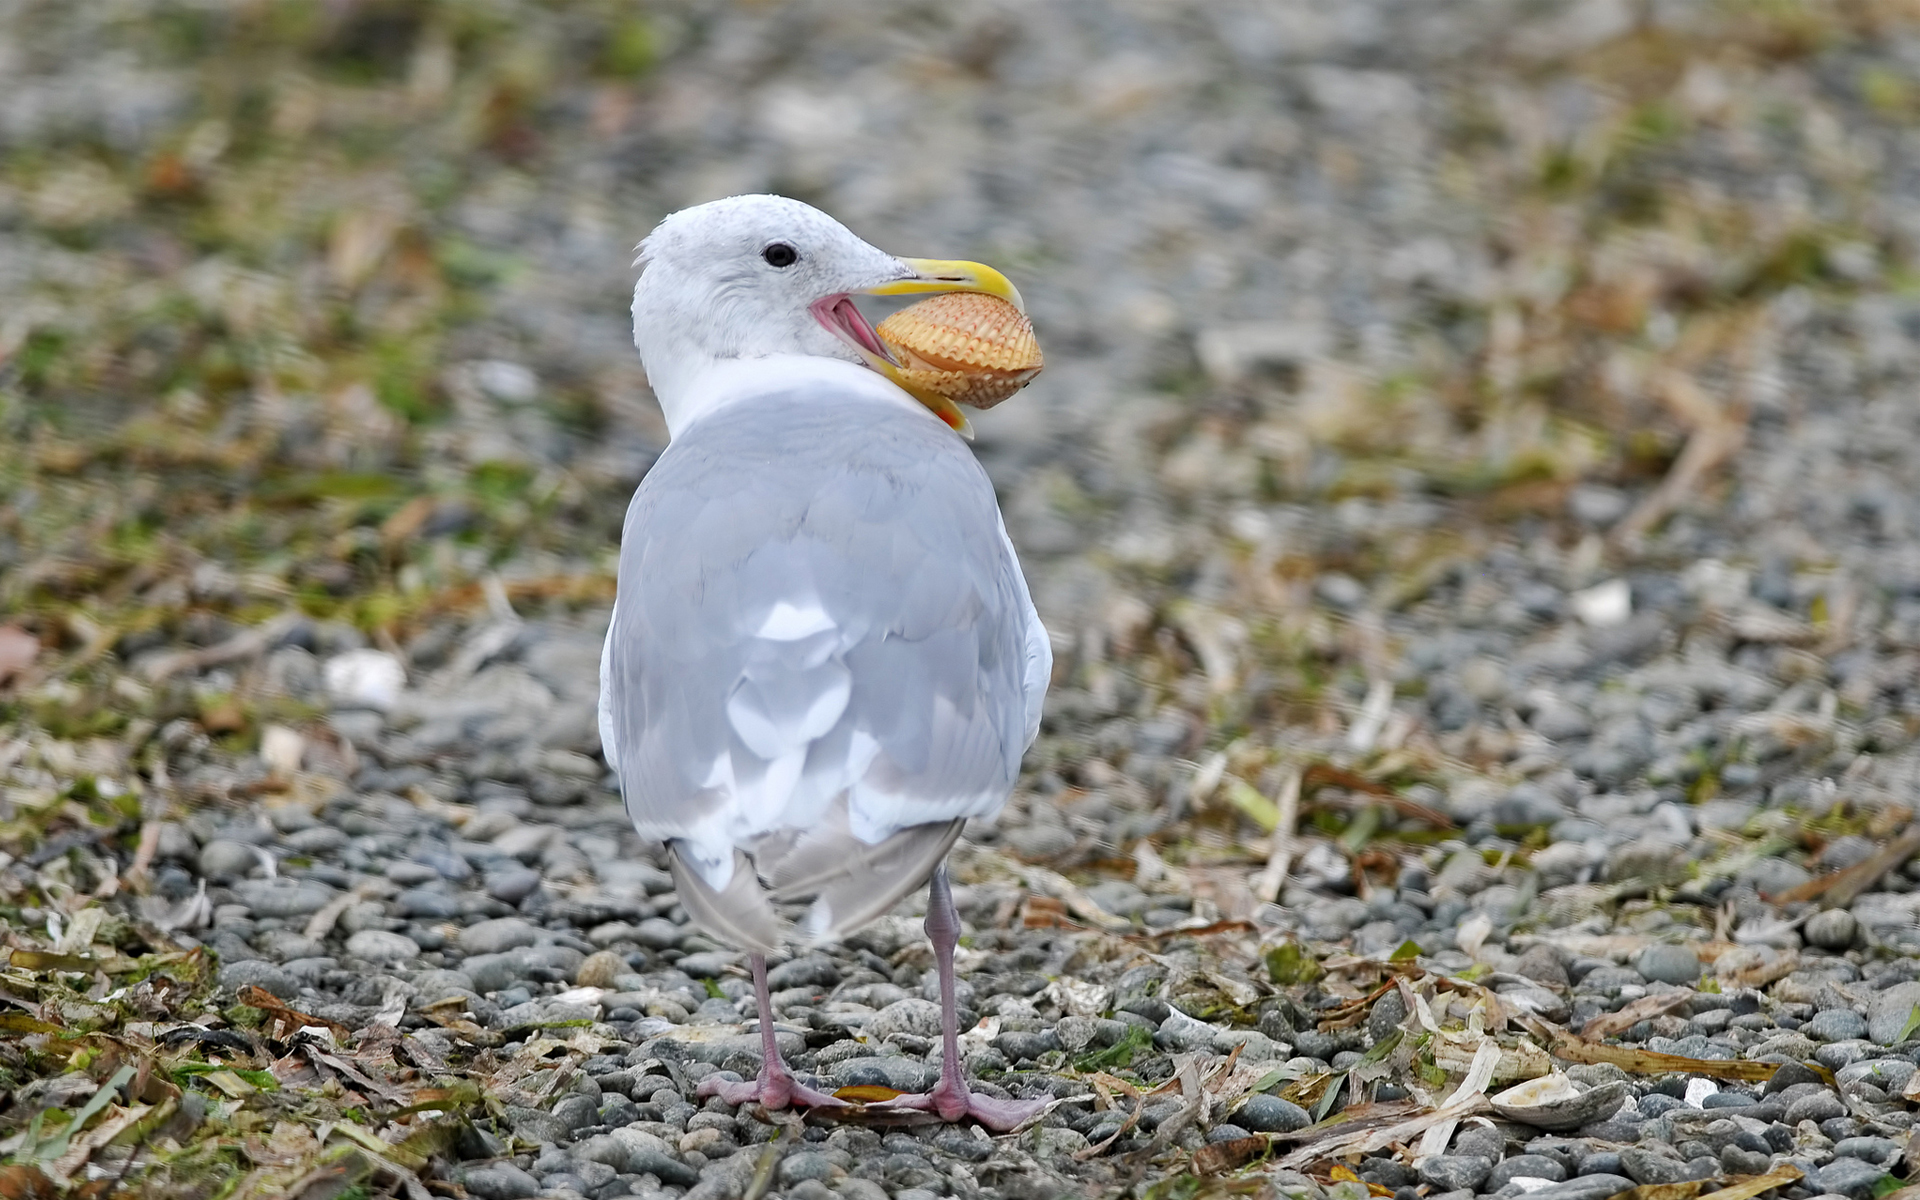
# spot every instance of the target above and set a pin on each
(967, 347)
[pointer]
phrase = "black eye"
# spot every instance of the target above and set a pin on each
(780, 255)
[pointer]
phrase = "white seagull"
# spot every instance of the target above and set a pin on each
(823, 657)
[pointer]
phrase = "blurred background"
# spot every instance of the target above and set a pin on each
(1447, 397)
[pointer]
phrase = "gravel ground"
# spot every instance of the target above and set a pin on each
(1471, 495)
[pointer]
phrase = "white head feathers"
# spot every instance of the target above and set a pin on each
(735, 279)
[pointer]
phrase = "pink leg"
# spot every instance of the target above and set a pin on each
(951, 1098)
(776, 1087)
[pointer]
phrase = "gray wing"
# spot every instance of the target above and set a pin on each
(822, 653)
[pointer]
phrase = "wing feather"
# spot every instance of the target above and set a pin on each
(817, 607)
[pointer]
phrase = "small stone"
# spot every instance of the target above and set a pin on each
(1644, 1166)
(807, 1165)
(1789, 1075)
(222, 859)
(599, 969)
(1542, 965)
(379, 946)
(1846, 1177)
(1586, 1187)
(1662, 963)
(511, 885)
(282, 897)
(913, 1017)
(1270, 1114)
(1821, 1106)
(497, 935)
(1479, 1141)
(1833, 929)
(1835, 1025)
(498, 1181)
(657, 933)
(1877, 1150)
(261, 974)
(492, 972)
(430, 904)
(1531, 1166)
(1456, 1172)
(1889, 1010)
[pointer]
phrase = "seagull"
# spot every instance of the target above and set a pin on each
(823, 659)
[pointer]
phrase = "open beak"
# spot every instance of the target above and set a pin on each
(951, 275)
(930, 275)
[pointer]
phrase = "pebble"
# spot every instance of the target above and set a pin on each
(1820, 1106)
(283, 897)
(381, 947)
(1833, 929)
(498, 1181)
(1835, 1025)
(1889, 1010)
(1455, 1172)
(1270, 1114)
(1662, 963)
(223, 859)
(600, 969)
(264, 975)
(511, 885)
(497, 936)
(1846, 1177)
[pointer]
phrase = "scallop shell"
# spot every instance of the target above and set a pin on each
(1555, 1103)
(969, 347)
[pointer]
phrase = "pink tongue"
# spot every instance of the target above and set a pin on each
(854, 323)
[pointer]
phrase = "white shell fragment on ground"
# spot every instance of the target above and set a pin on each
(1554, 1102)
(365, 679)
(969, 347)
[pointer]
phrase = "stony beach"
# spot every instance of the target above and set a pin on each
(1472, 494)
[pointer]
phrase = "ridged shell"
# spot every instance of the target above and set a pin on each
(970, 347)
(1555, 1103)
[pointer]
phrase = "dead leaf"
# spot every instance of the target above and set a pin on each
(1662, 1191)
(1574, 1048)
(1217, 1157)
(25, 1183)
(1646, 1007)
(286, 1020)
(1841, 887)
(867, 1093)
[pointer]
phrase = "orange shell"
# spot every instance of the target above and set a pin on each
(969, 347)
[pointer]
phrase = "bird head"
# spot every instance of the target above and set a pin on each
(758, 276)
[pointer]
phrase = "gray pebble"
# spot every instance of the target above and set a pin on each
(1821, 1106)
(497, 935)
(379, 946)
(221, 859)
(1835, 1025)
(1586, 1187)
(1846, 1177)
(1270, 1114)
(511, 885)
(1534, 1166)
(1877, 1150)
(1668, 964)
(1644, 1166)
(261, 974)
(492, 972)
(282, 897)
(1833, 929)
(498, 1181)
(1456, 1172)
(1889, 1010)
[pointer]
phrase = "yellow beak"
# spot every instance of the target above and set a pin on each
(945, 275)
(951, 275)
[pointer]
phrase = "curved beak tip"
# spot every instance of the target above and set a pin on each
(950, 275)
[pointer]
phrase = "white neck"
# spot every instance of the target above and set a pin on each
(695, 387)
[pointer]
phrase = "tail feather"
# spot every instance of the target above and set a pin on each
(740, 915)
(849, 881)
